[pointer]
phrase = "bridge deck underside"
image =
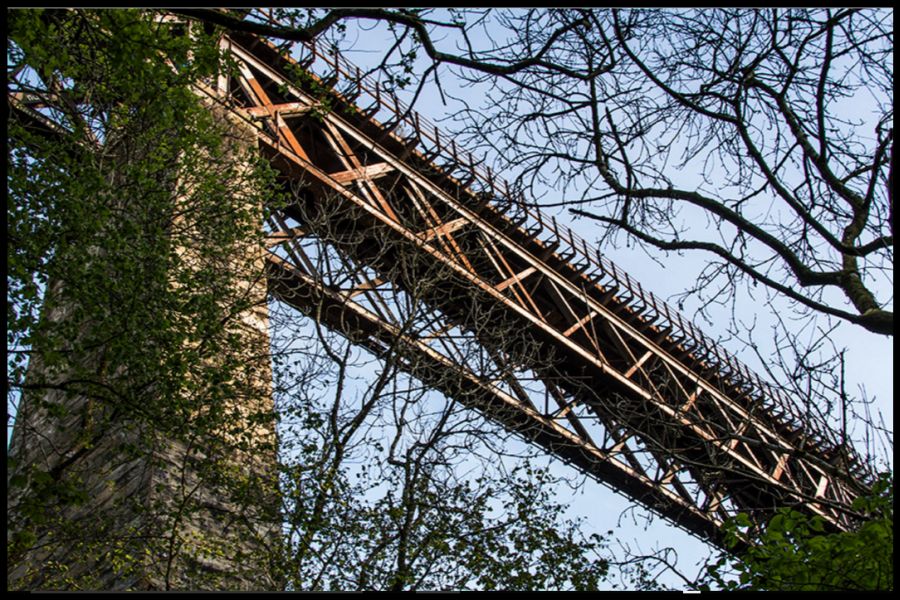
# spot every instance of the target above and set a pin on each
(382, 245)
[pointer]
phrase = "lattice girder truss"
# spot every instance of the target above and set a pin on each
(385, 247)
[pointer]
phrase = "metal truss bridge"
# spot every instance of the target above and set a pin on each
(524, 321)
(397, 239)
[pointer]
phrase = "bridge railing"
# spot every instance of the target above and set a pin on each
(394, 116)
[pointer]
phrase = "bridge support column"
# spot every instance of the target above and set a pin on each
(129, 482)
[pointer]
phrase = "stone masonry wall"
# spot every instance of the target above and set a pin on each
(186, 512)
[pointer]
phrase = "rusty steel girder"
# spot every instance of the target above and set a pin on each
(522, 320)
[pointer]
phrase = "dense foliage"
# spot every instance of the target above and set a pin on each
(795, 553)
(122, 288)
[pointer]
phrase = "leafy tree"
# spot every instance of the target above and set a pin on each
(795, 553)
(131, 207)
